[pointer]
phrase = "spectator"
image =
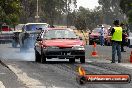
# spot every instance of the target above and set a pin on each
(102, 32)
(124, 35)
(116, 41)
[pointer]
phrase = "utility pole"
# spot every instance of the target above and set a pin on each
(37, 16)
(67, 13)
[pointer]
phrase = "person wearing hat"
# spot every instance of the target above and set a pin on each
(102, 32)
(116, 41)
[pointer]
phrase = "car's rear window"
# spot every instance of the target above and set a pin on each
(33, 27)
(96, 30)
(59, 34)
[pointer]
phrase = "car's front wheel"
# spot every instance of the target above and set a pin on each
(82, 59)
(37, 56)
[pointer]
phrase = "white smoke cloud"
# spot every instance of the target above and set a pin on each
(7, 52)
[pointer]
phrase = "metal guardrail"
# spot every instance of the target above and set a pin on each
(6, 37)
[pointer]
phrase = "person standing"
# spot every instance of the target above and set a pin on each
(124, 35)
(102, 31)
(116, 41)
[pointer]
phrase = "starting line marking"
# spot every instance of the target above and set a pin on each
(1, 85)
(2, 73)
(127, 65)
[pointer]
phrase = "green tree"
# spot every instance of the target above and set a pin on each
(9, 10)
(50, 11)
(28, 10)
(88, 19)
(126, 6)
(55, 9)
(111, 10)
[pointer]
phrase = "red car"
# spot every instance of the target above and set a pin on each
(60, 43)
(94, 36)
(5, 28)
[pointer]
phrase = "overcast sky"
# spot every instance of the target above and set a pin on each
(87, 3)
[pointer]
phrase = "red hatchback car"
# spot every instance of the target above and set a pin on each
(60, 43)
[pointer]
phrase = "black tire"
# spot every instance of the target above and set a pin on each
(43, 58)
(82, 59)
(72, 60)
(37, 56)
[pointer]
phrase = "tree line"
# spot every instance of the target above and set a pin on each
(64, 12)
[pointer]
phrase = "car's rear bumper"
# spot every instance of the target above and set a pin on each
(97, 40)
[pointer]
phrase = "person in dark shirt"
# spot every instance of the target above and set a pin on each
(124, 35)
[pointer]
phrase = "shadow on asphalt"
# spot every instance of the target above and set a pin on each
(56, 62)
(13, 47)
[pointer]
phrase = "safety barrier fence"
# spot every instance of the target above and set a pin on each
(6, 37)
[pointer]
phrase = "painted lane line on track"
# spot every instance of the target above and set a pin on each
(126, 65)
(2, 73)
(1, 85)
(29, 82)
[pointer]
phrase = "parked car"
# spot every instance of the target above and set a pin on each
(5, 28)
(94, 36)
(60, 43)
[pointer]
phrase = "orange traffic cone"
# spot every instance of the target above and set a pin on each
(94, 53)
(131, 57)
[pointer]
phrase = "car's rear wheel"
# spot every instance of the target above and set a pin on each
(72, 60)
(82, 59)
(37, 56)
(43, 58)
